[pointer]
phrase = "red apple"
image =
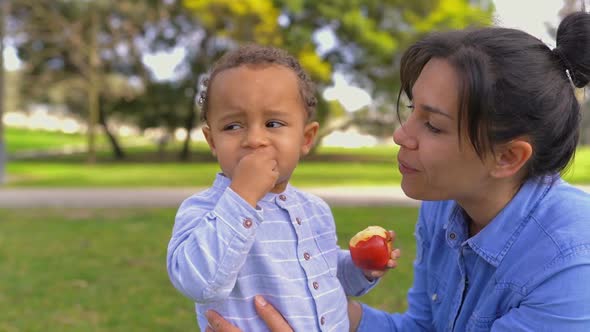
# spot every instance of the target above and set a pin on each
(371, 248)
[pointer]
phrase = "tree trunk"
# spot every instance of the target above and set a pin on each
(3, 13)
(189, 125)
(118, 152)
(93, 88)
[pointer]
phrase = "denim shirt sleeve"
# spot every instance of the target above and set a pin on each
(210, 245)
(560, 302)
(418, 317)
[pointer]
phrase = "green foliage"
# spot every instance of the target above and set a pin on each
(370, 34)
(105, 270)
(246, 20)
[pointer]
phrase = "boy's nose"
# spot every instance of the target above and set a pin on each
(403, 137)
(255, 137)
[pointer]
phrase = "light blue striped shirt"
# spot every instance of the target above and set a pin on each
(223, 252)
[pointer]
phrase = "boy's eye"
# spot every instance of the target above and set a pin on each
(232, 126)
(274, 124)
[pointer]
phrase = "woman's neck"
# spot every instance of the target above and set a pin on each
(482, 209)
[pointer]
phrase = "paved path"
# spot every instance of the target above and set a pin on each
(172, 197)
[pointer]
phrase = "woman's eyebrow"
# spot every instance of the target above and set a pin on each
(432, 109)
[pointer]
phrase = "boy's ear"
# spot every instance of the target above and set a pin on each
(310, 131)
(207, 133)
(511, 158)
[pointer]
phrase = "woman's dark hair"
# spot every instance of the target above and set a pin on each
(252, 54)
(513, 85)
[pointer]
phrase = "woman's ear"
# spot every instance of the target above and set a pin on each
(510, 158)
(207, 133)
(310, 132)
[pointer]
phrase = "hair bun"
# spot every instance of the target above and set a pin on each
(573, 46)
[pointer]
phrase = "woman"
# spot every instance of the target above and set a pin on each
(502, 242)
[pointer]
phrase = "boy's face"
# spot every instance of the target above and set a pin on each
(258, 107)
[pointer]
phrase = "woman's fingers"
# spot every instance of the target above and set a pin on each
(273, 319)
(218, 323)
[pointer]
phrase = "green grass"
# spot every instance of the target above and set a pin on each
(104, 270)
(321, 170)
(145, 167)
(19, 140)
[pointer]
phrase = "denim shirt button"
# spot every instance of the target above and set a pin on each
(434, 297)
(452, 236)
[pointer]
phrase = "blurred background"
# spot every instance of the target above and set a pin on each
(98, 94)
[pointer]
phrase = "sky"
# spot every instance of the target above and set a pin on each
(528, 15)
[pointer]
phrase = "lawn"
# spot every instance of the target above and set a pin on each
(146, 167)
(23, 140)
(104, 270)
(340, 168)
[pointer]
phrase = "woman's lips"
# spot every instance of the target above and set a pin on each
(405, 169)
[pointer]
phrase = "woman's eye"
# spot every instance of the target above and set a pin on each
(432, 128)
(274, 124)
(232, 126)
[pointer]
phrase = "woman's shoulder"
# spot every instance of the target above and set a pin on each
(565, 207)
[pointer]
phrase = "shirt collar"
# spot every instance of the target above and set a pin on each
(221, 182)
(494, 241)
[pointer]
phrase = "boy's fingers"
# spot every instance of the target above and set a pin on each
(273, 319)
(218, 323)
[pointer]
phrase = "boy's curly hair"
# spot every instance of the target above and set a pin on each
(252, 54)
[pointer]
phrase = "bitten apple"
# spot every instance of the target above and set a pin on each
(371, 248)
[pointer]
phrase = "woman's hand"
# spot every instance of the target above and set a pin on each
(355, 313)
(273, 319)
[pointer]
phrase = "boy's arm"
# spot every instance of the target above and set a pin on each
(353, 280)
(209, 245)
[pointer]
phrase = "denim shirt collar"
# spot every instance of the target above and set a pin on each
(495, 240)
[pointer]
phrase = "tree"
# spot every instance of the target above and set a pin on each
(370, 36)
(83, 43)
(3, 14)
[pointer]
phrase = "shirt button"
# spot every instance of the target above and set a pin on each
(282, 197)
(434, 297)
(298, 221)
(323, 320)
(306, 256)
(316, 285)
(247, 223)
(452, 236)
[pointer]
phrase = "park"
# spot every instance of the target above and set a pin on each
(86, 216)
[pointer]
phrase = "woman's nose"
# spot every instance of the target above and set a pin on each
(403, 137)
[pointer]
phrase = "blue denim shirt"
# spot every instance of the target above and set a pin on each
(528, 270)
